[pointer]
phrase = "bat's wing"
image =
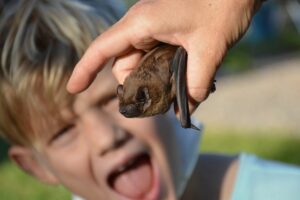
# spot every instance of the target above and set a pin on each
(179, 64)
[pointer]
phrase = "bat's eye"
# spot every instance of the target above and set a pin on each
(120, 90)
(142, 95)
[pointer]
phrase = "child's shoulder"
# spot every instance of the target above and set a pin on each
(262, 179)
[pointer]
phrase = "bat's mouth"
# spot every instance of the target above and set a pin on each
(131, 110)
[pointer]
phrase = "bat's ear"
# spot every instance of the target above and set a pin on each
(148, 101)
(120, 90)
(143, 96)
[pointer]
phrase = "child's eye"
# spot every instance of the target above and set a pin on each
(62, 133)
(107, 100)
(108, 103)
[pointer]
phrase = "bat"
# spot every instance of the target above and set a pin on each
(157, 82)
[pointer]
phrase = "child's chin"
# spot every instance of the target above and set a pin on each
(138, 179)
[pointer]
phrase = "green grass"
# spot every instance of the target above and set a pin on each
(275, 145)
(14, 184)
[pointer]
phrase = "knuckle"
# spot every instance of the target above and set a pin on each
(140, 20)
(198, 94)
(115, 69)
(119, 77)
(140, 8)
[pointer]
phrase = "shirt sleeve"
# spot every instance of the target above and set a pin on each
(259, 179)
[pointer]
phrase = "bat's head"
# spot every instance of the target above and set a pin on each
(133, 101)
(147, 90)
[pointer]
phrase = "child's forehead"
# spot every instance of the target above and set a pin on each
(103, 87)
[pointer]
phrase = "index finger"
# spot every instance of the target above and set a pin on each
(113, 42)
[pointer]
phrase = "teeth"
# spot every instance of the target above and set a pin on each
(120, 169)
(129, 164)
(125, 167)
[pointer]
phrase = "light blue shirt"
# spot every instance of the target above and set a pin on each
(259, 179)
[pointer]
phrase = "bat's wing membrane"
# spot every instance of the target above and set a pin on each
(179, 65)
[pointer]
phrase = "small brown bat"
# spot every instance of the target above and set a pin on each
(157, 82)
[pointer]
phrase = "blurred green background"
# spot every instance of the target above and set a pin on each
(274, 32)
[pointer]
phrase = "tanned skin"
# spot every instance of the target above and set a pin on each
(158, 81)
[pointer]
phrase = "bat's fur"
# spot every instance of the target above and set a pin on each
(150, 88)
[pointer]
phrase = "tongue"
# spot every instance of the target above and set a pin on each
(136, 181)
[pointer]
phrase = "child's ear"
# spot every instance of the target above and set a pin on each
(26, 160)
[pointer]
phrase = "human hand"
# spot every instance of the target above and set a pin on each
(206, 29)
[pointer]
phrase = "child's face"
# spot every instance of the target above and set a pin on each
(99, 154)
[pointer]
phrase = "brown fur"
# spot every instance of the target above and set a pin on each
(150, 88)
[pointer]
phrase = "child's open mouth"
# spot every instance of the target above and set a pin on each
(136, 179)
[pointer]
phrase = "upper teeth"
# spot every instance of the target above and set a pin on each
(126, 165)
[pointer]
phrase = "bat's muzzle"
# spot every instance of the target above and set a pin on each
(130, 110)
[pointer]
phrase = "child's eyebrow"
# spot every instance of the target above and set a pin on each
(93, 97)
(67, 120)
(105, 99)
(58, 133)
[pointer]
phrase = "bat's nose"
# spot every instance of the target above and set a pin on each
(122, 110)
(130, 110)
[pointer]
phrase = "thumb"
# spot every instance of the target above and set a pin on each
(203, 63)
(123, 65)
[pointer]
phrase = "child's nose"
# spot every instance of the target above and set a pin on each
(120, 137)
(105, 136)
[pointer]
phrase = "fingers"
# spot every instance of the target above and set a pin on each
(203, 62)
(112, 43)
(116, 41)
(192, 105)
(123, 65)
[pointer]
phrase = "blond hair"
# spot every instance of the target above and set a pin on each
(40, 42)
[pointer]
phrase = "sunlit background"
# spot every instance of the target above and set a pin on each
(255, 108)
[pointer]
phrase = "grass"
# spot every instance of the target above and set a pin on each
(14, 184)
(274, 145)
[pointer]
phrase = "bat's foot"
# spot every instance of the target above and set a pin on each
(213, 87)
